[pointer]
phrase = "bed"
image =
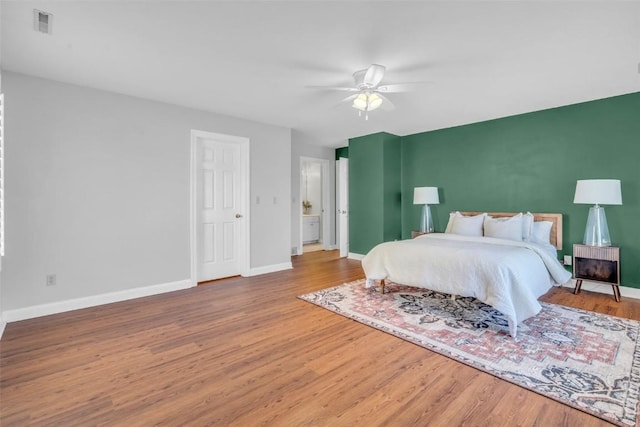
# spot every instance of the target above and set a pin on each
(502, 269)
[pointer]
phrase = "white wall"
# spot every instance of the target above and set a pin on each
(303, 146)
(97, 191)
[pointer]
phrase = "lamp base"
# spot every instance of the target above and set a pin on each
(426, 222)
(597, 232)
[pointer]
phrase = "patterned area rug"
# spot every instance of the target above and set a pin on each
(587, 360)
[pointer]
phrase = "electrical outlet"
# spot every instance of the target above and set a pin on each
(51, 279)
(567, 260)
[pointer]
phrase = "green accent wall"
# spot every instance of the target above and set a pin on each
(528, 162)
(374, 191)
(342, 152)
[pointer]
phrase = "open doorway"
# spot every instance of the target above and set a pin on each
(314, 189)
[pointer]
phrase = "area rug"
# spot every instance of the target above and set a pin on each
(586, 360)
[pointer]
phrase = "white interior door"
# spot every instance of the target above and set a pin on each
(343, 206)
(326, 193)
(219, 208)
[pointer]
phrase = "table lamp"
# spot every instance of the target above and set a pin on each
(597, 191)
(426, 196)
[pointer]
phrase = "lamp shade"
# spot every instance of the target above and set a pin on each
(598, 191)
(425, 196)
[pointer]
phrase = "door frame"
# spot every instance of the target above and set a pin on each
(244, 229)
(325, 196)
(342, 233)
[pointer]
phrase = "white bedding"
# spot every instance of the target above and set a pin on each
(507, 275)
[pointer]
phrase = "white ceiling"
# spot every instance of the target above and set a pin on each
(255, 59)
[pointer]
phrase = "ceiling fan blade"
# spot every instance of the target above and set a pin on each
(374, 75)
(345, 101)
(386, 104)
(400, 87)
(349, 98)
(340, 88)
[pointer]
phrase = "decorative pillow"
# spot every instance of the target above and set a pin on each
(466, 225)
(504, 228)
(527, 225)
(452, 217)
(541, 232)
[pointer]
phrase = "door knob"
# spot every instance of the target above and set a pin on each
(238, 216)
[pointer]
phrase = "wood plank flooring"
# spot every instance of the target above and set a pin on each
(245, 352)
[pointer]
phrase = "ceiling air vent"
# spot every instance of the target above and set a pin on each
(42, 21)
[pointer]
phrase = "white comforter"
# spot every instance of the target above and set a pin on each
(505, 274)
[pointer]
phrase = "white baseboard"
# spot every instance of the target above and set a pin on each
(92, 301)
(269, 269)
(355, 256)
(603, 288)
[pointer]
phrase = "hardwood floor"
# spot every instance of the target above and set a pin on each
(246, 351)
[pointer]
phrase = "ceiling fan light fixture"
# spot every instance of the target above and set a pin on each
(374, 102)
(360, 102)
(367, 101)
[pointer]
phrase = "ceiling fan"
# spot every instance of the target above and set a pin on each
(368, 94)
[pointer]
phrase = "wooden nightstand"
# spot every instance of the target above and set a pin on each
(600, 264)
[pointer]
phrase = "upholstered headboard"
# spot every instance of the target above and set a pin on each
(555, 218)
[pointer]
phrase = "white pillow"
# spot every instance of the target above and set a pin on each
(466, 225)
(527, 225)
(504, 228)
(541, 232)
(452, 217)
